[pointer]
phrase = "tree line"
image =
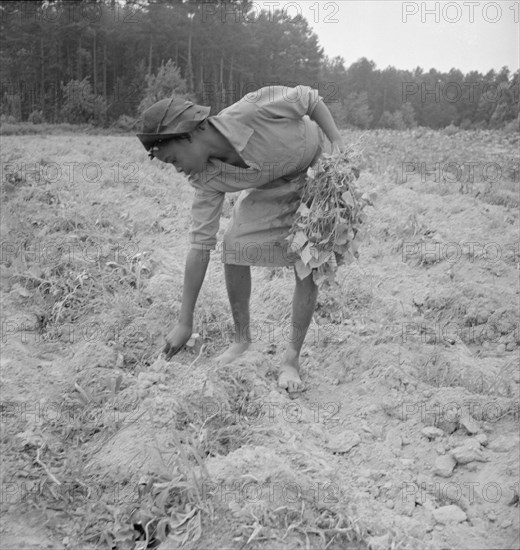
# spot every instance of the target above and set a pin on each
(104, 61)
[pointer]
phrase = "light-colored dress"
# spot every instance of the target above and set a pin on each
(272, 132)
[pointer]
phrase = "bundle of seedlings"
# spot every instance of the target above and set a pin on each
(328, 224)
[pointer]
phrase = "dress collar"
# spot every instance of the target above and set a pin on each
(237, 133)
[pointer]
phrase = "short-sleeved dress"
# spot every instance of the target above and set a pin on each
(272, 132)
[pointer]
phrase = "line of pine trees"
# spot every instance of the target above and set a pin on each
(104, 61)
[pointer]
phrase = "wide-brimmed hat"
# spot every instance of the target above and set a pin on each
(170, 118)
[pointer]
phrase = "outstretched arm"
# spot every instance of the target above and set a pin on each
(195, 271)
(323, 117)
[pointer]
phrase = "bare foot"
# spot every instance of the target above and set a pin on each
(233, 352)
(289, 377)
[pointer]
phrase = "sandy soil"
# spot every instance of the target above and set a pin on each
(406, 435)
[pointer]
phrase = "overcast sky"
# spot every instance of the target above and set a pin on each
(467, 35)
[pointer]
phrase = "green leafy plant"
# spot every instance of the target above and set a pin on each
(327, 229)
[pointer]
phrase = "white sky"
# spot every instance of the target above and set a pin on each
(467, 35)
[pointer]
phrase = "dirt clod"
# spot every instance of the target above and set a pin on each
(444, 466)
(449, 514)
(469, 451)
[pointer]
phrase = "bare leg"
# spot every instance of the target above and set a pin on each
(238, 284)
(304, 302)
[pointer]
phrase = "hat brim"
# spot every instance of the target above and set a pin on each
(184, 127)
